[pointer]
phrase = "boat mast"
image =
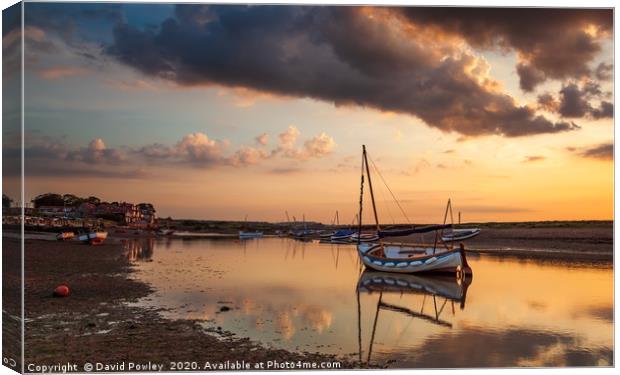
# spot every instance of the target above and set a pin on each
(359, 215)
(372, 195)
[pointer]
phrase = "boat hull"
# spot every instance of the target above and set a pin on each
(364, 238)
(340, 239)
(64, 236)
(447, 261)
(460, 235)
(250, 235)
(93, 238)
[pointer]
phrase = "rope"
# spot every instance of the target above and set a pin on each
(385, 201)
(390, 190)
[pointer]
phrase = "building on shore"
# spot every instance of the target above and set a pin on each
(141, 215)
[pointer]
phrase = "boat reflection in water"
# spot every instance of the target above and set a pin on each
(444, 291)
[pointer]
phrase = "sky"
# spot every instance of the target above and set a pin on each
(218, 112)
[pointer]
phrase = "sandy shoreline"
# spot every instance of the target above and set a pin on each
(95, 324)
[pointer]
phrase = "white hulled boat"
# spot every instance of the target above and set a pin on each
(401, 258)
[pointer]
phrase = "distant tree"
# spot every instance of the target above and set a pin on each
(72, 200)
(48, 199)
(6, 201)
(146, 206)
(93, 200)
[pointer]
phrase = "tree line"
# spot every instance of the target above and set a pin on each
(65, 200)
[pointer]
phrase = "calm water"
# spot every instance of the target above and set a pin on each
(312, 297)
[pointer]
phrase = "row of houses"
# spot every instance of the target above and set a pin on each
(141, 215)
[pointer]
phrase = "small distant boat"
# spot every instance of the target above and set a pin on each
(460, 234)
(249, 235)
(64, 236)
(165, 232)
(93, 237)
(326, 235)
(342, 235)
(304, 235)
(365, 237)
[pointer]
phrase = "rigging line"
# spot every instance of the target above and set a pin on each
(390, 190)
(385, 201)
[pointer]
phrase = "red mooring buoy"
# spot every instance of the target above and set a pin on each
(61, 291)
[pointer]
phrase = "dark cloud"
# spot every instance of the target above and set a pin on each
(529, 77)
(575, 102)
(336, 54)
(11, 19)
(604, 71)
(604, 151)
(547, 102)
(551, 42)
(605, 110)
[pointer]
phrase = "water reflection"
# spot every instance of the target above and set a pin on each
(306, 296)
(440, 290)
(139, 249)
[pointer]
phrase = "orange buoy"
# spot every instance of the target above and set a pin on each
(61, 291)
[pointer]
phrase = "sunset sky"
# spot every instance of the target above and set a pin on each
(217, 112)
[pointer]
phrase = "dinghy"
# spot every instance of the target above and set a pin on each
(326, 235)
(401, 258)
(165, 232)
(364, 237)
(64, 236)
(342, 236)
(93, 237)
(460, 234)
(249, 235)
(404, 259)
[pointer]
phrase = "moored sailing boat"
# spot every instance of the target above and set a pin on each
(401, 258)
